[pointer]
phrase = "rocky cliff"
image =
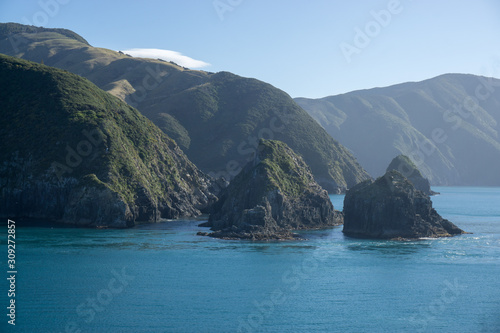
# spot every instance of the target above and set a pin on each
(407, 168)
(391, 208)
(274, 194)
(73, 153)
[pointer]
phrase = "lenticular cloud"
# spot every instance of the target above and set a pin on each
(167, 55)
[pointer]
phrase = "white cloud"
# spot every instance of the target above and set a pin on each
(167, 55)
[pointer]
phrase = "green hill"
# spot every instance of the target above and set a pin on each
(227, 115)
(12, 32)
(217, 119)
(73, 153)
(447, 125)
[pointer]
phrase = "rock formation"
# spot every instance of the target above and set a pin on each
(274, 194)
(407, 168)
(391, 208)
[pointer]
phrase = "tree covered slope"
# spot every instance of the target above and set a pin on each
(73, 153)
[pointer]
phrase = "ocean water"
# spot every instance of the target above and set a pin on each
(164, 278)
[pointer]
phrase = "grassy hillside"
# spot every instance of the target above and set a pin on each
(62, 136)
(447, 125)
(217, 119)
(12, 31)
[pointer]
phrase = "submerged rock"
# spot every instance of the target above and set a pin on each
(274, 194)
(392, 208)
(407, 168)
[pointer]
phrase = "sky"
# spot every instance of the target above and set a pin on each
(312, 48)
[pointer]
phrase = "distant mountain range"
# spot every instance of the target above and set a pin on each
(448, 126)
(216, 118)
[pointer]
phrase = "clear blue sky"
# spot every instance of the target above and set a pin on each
(294, 45)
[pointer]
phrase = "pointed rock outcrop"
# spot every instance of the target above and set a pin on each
(407, 168)
(273, 195)
(392, 208)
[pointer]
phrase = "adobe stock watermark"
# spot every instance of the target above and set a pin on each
(223, 6)
(48, 9)
(248, 147)
(381, 19)
(448, 295)
(455, 117)
(75, 155)
(88, 309)
(151, 80)
(291, 280)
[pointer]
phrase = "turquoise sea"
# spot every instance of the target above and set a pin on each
(164, 278)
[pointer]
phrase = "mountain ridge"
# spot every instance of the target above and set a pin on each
(231, 112)
(448, 126)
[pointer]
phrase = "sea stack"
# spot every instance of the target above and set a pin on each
(274, 194)
(392, 208)
(407, 168)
